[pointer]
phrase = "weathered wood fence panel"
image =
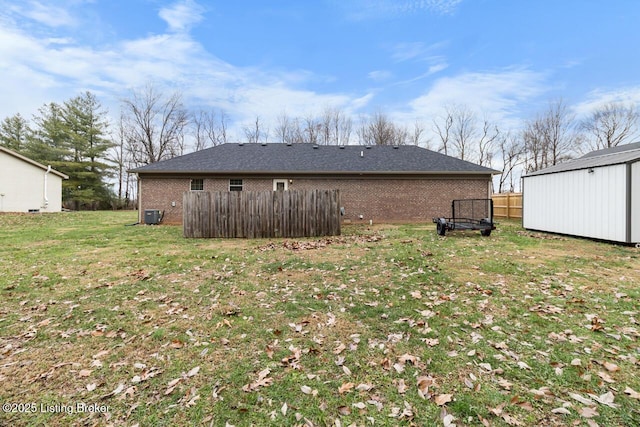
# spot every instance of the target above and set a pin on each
(259, 214)
(507, 205)
(198, 221)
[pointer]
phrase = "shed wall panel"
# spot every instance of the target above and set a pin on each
(635, 202)
(579, 203)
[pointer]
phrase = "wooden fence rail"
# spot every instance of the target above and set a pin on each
(260, 214)
(507, 205)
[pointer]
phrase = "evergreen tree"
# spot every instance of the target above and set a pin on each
(13, 132)
(48, 141)
(88, 171)
(72, 139)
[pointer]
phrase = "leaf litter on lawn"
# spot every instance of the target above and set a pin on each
(387, 323)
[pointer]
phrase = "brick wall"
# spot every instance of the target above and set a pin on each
(379, 199)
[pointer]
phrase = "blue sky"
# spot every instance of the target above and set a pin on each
(504, 59)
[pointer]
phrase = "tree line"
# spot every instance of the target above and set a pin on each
(78, 139)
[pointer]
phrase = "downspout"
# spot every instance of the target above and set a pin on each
(139, 191)
(46, 199)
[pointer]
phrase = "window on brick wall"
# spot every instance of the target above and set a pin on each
(235, 185)
(197, 184)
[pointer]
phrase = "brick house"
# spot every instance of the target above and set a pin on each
(380, 183)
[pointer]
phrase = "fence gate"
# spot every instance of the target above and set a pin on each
(260, 214)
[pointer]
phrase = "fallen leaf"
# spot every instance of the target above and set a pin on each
(561, 410)
(606, 399)
(511, 420)
(306, 389)
(344, 410)
(505, 384)
(634, 394)
(359, 405)
(442, 399)
(345, 387)
(541, 392)
(91, 387)
(45, 322)
(100, 354)
(193, 372)
(284, 409)
(606, 377)
(448, 420)
(84, 373)
(611, 367)
(364, 387)
(581, 399)
(176, 344)
(588, 412)
(523, 365)
(402, 387)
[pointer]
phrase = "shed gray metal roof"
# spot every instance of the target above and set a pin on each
(313, 159)
(622, 154)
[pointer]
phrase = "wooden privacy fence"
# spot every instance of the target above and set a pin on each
(507, 205)
(257, 214)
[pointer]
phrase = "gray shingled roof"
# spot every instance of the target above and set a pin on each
(313, 159)
(628, 153)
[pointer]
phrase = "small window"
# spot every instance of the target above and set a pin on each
(197, 184)
(280, 185)
(235, 185)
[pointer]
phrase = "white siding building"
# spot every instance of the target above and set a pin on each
(28, 186)
(595, 196)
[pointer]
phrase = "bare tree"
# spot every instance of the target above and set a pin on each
(335, 127)
(443, 127)
(417, 134)
(209, 129)
(461, 136)
(154, 125)
(611, 125)
(256, 132)
(551, 138)
(380, 130)
(463, 130)
(121, 158)
(284, 131)
(311, 129)
(511, 150)
(488, 136)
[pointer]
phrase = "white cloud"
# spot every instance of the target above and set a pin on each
(53, 68)
(377, 9)
(47, 14)
(497, 95)
(599, 97)
(380, 75)
(182, 15)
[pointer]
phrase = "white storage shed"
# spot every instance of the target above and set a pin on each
(595, 196)
(28, 186)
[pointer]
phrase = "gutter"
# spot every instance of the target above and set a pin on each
(308, 173)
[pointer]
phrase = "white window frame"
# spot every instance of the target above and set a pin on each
(237, 184)
(280, 181)
(196, 180)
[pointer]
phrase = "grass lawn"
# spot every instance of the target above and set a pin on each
(107, 324)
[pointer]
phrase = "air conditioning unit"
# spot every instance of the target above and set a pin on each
(152, 216)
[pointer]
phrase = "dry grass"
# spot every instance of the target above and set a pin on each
(168, 331)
